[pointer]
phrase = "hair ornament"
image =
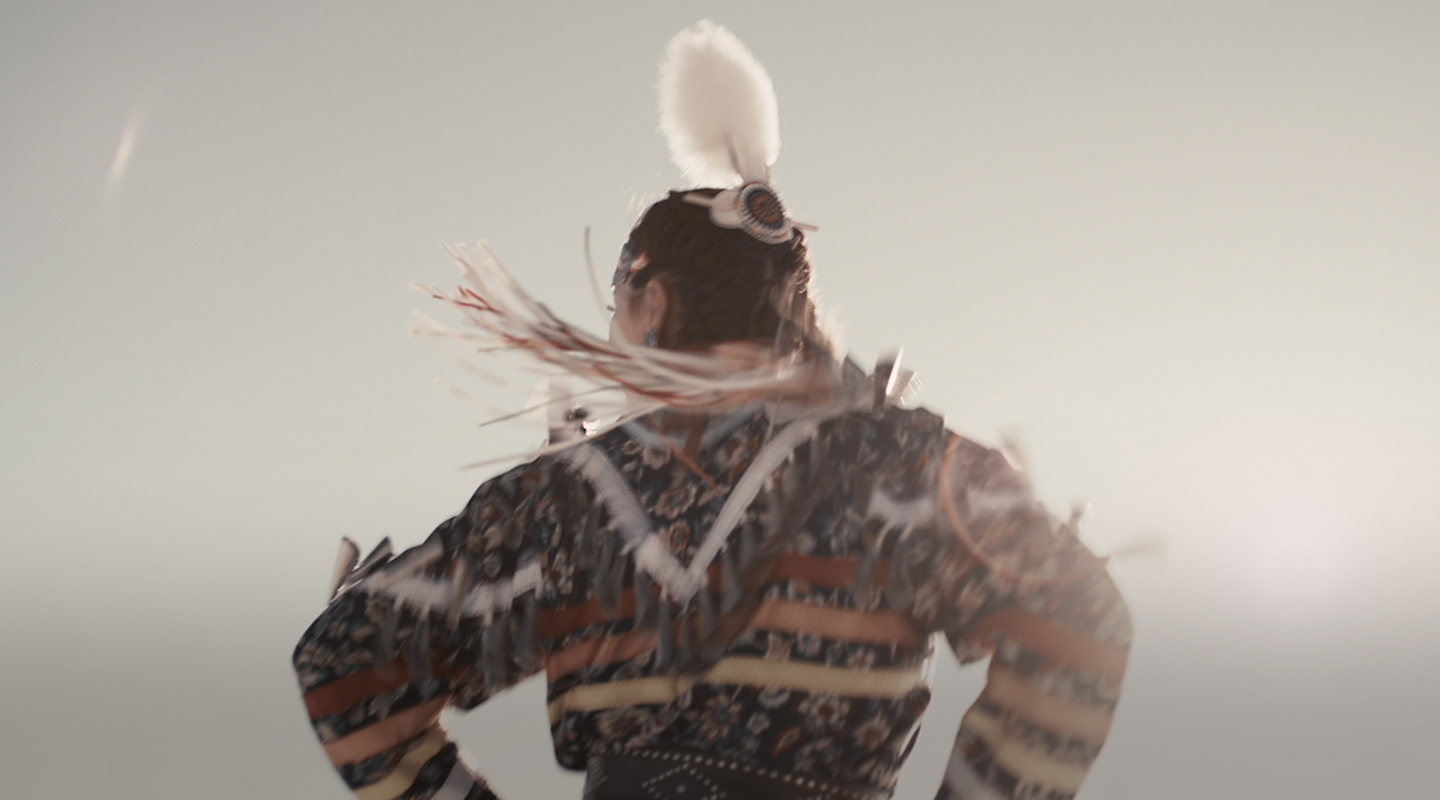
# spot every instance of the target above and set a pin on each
(627, 266)
(754, 208)
(722, 123)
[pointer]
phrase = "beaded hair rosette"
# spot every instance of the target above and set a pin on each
(721, 121)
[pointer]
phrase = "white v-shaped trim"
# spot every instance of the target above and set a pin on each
(681, 582)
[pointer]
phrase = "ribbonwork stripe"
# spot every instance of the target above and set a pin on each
(1019, 760)
(404, 774)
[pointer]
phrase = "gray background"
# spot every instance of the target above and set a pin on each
(1187, 250)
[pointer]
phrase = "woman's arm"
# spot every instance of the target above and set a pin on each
(1022, 589)
(443, 624)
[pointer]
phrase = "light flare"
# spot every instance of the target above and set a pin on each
(126, 148)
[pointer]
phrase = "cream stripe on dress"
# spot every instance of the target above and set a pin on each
(848, 625)
(817, 679)
(620, 693)
(403, 776)
(457, 783)
(813, 678)
(1019, 760)
(1017, 694)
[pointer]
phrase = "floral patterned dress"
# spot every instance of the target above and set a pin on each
(762, 586)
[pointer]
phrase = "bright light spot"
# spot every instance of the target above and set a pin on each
(126, 148)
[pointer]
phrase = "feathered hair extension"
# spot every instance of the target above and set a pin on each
(717, 108)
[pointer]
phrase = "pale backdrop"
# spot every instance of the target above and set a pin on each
(1188, 252)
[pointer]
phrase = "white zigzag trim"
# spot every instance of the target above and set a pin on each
(657, 560)
(483, 600)
(488, 598)
(613, 491)
(651, 555)
(903, 514)
(406, 564)
(771, 457)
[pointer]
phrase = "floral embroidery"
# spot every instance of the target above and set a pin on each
(824, 713)
(721, 715)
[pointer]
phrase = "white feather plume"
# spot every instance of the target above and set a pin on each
(717, 108)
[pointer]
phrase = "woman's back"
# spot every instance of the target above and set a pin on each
(745, 586)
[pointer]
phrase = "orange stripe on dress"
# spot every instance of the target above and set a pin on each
(561, 621)
(1060, 643)
(599, 651)
(394, 730)
(867, 627)
(351, 690)
(830, 573)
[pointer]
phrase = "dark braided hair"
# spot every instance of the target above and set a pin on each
(725, 285)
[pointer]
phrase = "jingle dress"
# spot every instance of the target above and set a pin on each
(768, 598)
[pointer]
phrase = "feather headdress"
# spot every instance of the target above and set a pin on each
(717, 108)
(722, 123)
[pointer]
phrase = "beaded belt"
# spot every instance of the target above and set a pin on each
(688, 775)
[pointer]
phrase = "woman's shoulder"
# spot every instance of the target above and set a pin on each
(889, 429)
(526, 489)
(911, 446)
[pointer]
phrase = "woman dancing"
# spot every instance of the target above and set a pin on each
(732, 590)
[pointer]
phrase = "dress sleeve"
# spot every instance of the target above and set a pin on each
(1017, 585)
(450, 622)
